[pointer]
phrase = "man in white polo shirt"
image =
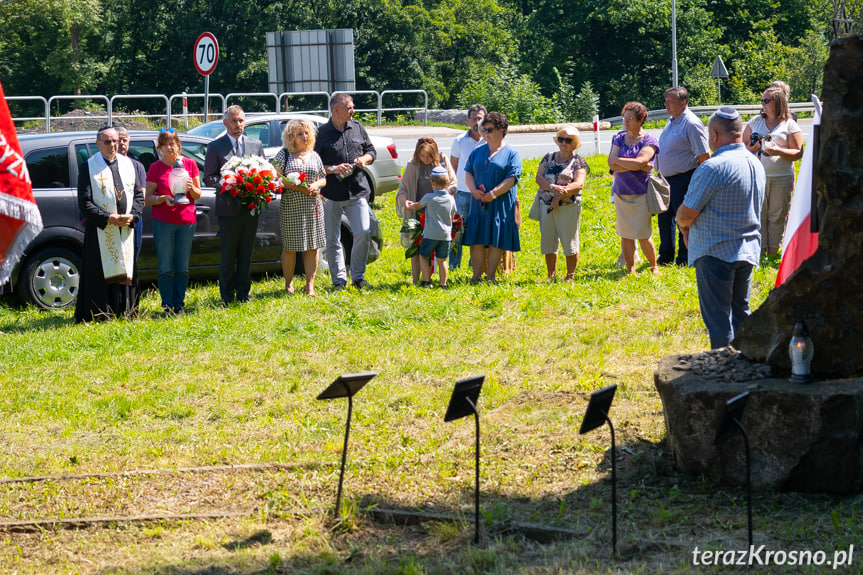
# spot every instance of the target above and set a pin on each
(461, 149)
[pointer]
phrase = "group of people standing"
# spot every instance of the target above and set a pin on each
(483, 175)
(725, 211)
(487, 171)
(729, 208)
(332, 158)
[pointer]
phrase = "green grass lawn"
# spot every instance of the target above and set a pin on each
(221, 387)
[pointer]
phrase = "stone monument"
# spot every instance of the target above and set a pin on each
(803, 437)
(826, 291)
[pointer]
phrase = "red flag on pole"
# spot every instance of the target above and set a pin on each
(20, 220)
(799, 243)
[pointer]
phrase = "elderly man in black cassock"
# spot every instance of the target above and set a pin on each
(111, 198)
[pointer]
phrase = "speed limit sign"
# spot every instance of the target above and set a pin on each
(206, 53)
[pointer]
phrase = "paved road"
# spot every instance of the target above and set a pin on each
(531, 145)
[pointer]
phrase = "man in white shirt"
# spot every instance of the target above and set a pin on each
(461, 149)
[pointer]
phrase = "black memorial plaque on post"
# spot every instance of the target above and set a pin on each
(597, 409)
(346, 385)
(462, 403)
(597, 414)
(464, 397)
(729, 425)
(732, 411)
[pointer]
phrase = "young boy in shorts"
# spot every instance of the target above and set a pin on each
(439, 210)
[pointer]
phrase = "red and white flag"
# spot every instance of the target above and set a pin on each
(799, 243)
(20, 220)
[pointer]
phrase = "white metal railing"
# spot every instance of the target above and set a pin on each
(322, 111)
(353, 93)
(425, 106)
(44, 116)
(185, 113)
(112, 114)
(744, 109)
(255, 95)
(170, 114)
(58, 98)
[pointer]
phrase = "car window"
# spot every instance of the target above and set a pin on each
(49, 168)
(259, 132)
(144, 151)
(196, 151)
(84, 152)
(208, 130)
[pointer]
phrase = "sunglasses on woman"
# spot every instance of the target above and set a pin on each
(766, 100)
(563, 140)
(485, 130)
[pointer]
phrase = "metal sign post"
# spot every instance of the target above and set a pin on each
(719, 71)
(206, 55)
(729, 423)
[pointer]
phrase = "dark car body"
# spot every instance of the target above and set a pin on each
(47, 274)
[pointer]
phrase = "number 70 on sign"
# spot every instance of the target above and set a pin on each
(206, 53)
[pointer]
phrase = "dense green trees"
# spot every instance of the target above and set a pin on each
(530, 58)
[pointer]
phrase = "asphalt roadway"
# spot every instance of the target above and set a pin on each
(529, 141)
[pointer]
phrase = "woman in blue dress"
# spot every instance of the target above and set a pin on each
(491, 173)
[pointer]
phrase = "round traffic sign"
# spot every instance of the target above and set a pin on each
(206, 53)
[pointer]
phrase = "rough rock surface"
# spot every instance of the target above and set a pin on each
(826, 291)
(802, 437)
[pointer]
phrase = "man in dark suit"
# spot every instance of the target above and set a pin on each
(237, 226)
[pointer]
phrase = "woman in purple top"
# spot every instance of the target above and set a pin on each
(631, 160)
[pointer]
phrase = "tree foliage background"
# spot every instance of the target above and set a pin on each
(536, 60)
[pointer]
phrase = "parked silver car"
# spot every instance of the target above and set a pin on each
(384, 172)
(48, 273)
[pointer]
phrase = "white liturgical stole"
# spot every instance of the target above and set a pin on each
(116, 243)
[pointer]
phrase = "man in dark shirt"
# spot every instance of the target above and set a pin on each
(345, 148)
(123, 148)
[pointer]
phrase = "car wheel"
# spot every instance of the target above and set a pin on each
(50, 278)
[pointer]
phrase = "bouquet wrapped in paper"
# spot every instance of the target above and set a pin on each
(411, 235)
(251, 181)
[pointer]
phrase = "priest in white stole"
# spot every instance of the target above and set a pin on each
(111, 198)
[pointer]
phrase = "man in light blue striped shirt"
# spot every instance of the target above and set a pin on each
(721, 222)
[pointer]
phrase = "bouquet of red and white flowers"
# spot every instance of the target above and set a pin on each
(457, 233)
(251, 180)
(299, 179)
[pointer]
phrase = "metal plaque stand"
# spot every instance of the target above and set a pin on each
(595, 415)
(345, 386)
(728, 426)
(462, 403)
